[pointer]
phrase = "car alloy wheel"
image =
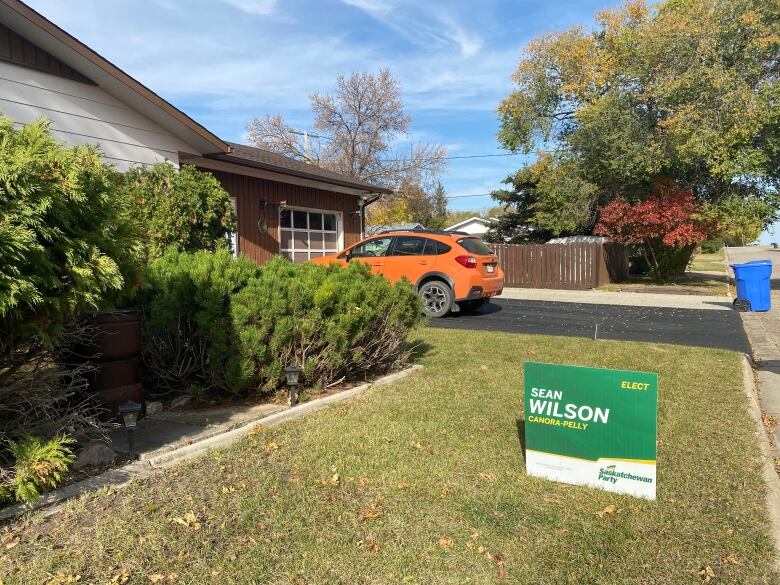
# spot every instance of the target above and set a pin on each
(437, 299)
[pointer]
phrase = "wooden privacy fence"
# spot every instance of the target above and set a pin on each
(563, 266)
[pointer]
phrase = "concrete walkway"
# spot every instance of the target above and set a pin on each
(763, 330)
(625, 299)
(171, 430)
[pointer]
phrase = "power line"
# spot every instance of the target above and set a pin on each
(465, 196)
(456, 157)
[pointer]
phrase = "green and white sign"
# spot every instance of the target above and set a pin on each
(592, 426)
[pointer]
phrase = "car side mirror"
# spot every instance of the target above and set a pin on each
(348, 255)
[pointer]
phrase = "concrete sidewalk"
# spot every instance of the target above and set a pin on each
(626, 299)
(763, 330)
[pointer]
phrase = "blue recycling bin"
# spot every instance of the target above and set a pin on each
(753, 285)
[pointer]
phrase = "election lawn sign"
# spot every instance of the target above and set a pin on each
(592, 426)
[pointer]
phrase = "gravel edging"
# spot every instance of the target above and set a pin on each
(121, 476)
(766, 454)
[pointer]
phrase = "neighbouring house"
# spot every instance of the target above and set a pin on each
(283, 206)
(475, 226)
(396, 227)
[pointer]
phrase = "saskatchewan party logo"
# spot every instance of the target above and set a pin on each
(610, 474)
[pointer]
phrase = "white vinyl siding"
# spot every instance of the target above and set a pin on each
(309, 233)
(85, 114)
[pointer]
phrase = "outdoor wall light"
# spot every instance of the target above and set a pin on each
(129, 411)
(293, 371)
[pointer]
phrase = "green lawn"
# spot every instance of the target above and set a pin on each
(423, 482)
(709, 262)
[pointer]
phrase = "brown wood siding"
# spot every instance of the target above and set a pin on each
(562, 266)
(251, 191)
(18, 50)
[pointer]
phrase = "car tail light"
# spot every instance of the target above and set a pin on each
(467, 261)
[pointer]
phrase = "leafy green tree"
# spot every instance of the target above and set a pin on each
(66, 240)
(741, 221)
(438, 207)
(683, 90)
(185, 208)
(546, 198)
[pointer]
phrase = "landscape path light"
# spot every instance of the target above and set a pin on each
(129, 411)
(293, 371)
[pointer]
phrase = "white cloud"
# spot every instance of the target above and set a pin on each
(376, 7)
(253, 6)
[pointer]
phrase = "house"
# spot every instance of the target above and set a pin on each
(395, 227)
(283, 206)
(476, 226)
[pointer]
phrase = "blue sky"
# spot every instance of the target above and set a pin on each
(225, 61)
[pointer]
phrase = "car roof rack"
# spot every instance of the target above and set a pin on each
(426, 231)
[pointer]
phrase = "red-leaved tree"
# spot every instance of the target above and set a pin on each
(667, 226)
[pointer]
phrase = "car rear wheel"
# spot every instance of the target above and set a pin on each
(437, 298)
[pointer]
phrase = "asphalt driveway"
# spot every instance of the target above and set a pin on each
(706, 328)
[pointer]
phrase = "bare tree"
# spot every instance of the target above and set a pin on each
(357, 127)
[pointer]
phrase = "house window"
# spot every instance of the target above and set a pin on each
(305, 234)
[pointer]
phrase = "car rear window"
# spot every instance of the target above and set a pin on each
(476, 246)
(436, 248)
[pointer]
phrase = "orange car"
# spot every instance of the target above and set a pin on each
(452, 271)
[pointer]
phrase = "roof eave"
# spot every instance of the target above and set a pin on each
(292, 172)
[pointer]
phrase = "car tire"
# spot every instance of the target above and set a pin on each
(437, 298)
(472, 306)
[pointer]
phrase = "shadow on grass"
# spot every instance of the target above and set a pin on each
(419, 349)
(520, 423)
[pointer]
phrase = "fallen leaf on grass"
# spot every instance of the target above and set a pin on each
(228, 489)
(402, 486)
(261, 526)
(269, 447)
(247, 542)
(731, 559)
(608, 511)
(707, 574)
(483, 368)
(370, 545)
(446, 543)
(488, 476)
(445, 491)
(501, 569)
(120, 578)
(415, 445)
(189, 520)
(370, 514)
(294, 479)
(156, 578)
(334, 479)
(364, 481)
(63, 579)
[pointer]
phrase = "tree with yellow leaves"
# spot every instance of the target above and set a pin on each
(685, 90)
